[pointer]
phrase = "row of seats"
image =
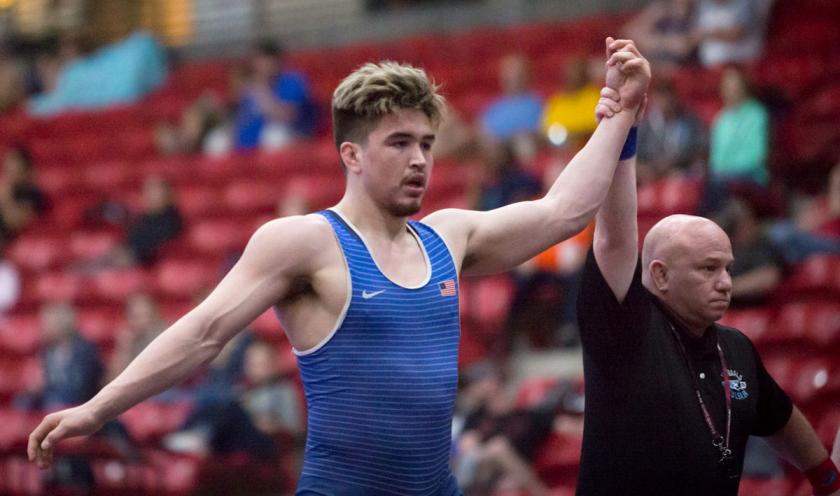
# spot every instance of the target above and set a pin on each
(812, 319)
(222, 217)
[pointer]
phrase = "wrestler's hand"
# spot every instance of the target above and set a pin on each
(628, 73)
(78, 421)
(608, 105)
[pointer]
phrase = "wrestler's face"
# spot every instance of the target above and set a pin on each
(698, 285)
(395, 164)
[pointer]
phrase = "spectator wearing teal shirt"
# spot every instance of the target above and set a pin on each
(739, 141)
(275, 107)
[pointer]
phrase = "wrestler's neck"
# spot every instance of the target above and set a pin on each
(370, 218)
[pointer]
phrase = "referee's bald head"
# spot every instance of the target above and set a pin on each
(677, 236)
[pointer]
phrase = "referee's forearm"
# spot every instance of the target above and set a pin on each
(798, 443)
(616, 225)
(581, 188)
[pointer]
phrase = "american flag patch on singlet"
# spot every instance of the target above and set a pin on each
(447, 288)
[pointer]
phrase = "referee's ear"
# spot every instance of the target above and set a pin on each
(659, 275)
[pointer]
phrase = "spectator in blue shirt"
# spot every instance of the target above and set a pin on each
(275, 106)
(71, 364)
(519, 109)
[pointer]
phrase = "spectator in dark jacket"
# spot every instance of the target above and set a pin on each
(21, 200)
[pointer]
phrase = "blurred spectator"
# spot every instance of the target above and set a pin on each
(275, 106)
(146, 233)
(730, 31)
(9, 284)
(496, 441)
(504, 180)
(12, 87)
(814, 227)
(247, 421)
(72, 374)
(158, 222)
(198, 130)
(455, 137)
(517, 111)
(662, 31)
(71, 364)
(758, 267)
(122, 72)
(21, 200)
(55, 55)
(143, 325)
(270, 399)
(739, 142)
(671, 138)
(545, 301)
(570, 111)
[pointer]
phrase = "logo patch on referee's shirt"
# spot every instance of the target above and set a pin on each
(737, 386)
(447, 287)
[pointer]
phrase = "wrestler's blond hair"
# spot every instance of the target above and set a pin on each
(375, 90)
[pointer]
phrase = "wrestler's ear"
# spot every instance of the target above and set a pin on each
(659, 275)
(351, 155)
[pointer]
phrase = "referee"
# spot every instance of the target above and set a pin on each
(671, 396)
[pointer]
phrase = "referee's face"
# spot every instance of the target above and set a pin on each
(699, 284)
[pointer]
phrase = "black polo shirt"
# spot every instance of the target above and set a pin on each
(644, 431)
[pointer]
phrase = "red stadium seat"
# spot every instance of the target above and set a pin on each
(322, 189)
(20, 334)
(816, 322)
(15, 426)
(814, 377)
(765, 487)
(100, 324)
(184, 278)
(817, 275)
(755, 323)
(20, 476)
(471, 349)
(117, 476)
(669, 196)
(58, 178)
(38, 252)
(18, 375)
(219, 235)
(69, 212)
(487, 300)
(268, 327)
(828, 426)
(198, 200)
(118, 284)
(219, 170)
(59, 286)
(109, 174)
(87, 245)
(783, 368)
(533, 390)
(249, 196)
(558, 459)
(149, 421)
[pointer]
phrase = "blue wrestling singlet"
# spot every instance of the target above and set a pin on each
(380, 389)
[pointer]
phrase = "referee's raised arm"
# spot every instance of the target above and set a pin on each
(616, 237)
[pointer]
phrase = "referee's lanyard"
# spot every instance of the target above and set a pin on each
(719, 440)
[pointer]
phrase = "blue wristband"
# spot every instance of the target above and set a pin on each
(629, 149)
